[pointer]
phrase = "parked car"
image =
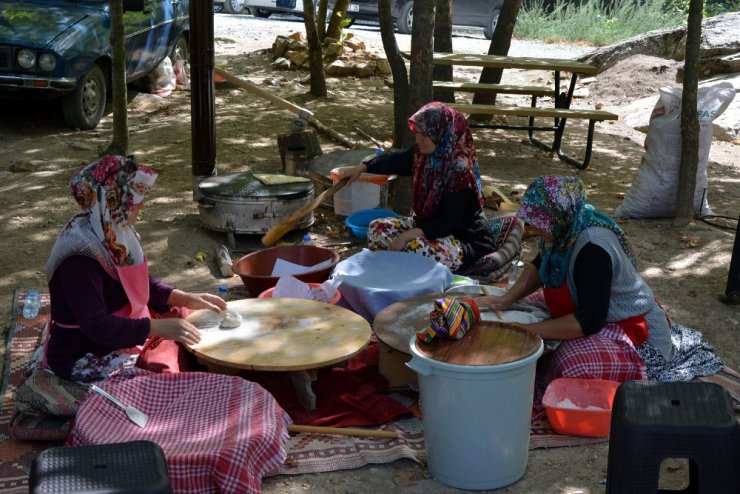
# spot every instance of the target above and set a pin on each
(229, 6)
(478, 13)
(265, 8)
(60, 48)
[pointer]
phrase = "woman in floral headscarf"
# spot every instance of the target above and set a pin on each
(602, 311)
(448, 223)
(100, 288)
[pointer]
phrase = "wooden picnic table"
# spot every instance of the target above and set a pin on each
(560, 111)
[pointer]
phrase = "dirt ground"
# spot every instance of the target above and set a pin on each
(687, 267)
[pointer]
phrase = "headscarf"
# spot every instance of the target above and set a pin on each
(108, 191)
(557, 205)
(451, 167)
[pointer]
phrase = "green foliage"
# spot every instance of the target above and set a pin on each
(711, 7)
(598, 22)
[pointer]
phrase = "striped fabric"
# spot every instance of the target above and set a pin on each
(450, 319)
(220, 434)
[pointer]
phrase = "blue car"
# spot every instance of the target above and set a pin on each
(61, 48)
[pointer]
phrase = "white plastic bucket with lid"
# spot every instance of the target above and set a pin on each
(370, 191)
(476, 412)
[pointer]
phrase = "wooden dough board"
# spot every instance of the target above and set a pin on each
(281, 334)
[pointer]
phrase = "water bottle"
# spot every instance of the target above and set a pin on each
(32, 304)
(223, 292)
(306, 240)
(516, 270)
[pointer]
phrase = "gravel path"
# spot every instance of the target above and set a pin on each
(260, 33)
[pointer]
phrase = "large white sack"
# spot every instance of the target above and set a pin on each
(653, 191)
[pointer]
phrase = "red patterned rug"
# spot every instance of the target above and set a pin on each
(307, 453)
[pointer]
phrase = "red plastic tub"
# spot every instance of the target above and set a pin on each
(580, 407)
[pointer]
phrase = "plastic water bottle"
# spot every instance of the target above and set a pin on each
(223, 292)
(306, 240)
(32, 304)
(516, 270)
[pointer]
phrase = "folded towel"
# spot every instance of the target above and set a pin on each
(450, 319)
(274, 179)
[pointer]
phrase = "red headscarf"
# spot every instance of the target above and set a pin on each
(451, 167)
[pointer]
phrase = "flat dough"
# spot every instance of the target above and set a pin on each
(232, 319)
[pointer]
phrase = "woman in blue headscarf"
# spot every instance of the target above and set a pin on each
(602, 311)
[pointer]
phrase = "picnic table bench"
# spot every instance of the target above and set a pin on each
(560, 112)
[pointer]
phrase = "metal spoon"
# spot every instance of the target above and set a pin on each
(134, 414)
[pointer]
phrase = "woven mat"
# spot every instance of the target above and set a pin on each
(22, 339)
(307, 453)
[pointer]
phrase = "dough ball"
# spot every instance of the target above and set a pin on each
(232, 319)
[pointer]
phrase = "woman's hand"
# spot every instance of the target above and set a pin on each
(494, 302)
(353, 173)
(399, 242)
(174, 329)
(196, 301)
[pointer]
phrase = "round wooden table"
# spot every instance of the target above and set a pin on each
(281, 334)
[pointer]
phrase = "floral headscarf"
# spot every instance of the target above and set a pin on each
(557, 205)
(108, 192)
(451, 167)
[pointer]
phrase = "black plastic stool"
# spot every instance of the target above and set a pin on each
(653, 421)
(120, 468)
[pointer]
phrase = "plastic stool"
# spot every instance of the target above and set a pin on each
(119, 468)
(652, 421)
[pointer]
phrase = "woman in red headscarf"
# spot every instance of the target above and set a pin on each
(447, 222)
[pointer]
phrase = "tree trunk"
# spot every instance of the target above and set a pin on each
(401, 110)
(421, 54)
(334, 31)
(119, 141)
(321, 20)
(500, 44)
(443, 44)
(689, 119)
(315, 58)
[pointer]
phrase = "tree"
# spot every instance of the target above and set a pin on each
(119, 141)
(443, 44)
(689, 119)
(500, 44)
(336, 22)
(420, 75)
(401, 93)
(315, 58)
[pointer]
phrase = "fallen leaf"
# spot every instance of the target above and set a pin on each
(404, 478)
(693, 293)
(201, 255)
(690, 241)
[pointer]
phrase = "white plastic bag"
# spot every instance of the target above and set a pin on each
(653, 191)
(162, 79)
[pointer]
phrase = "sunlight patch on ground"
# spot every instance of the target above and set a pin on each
(701, 264)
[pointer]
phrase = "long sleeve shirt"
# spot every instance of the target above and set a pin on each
(459, 214)
(84, 295)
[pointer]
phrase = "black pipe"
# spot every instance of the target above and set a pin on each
(202, 92)
(732, 292)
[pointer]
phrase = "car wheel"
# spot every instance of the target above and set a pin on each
(218, 8)
(181, 50)
(406, 19)
(83, 108)
(261, 13)
(234, 6)
(491, 26)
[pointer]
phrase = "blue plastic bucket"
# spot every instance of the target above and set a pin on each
(477, 417)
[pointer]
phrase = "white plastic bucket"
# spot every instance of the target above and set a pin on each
(370, 191)
(476, 418)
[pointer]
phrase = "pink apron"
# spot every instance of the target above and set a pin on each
(135, 281)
